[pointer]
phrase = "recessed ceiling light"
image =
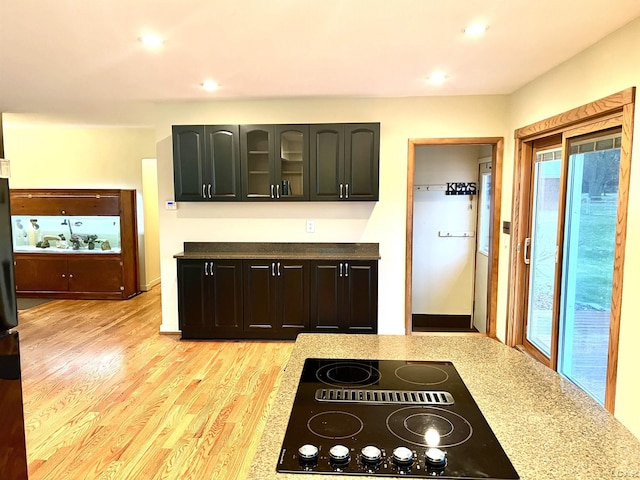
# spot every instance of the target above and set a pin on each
(437, 78)
(151, 40)
(210, 85)
(475, 29)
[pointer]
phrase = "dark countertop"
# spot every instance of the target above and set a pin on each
(282, 251)
(549, 428)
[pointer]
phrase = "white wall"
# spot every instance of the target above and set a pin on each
(607, 67)
(45, 156)
(382, 222)
(443, 267)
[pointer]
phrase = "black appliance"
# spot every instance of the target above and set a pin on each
(389, 418)
(13, 451)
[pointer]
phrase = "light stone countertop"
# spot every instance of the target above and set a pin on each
(549, 428)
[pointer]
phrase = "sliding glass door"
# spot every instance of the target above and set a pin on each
(570, 256)
(588, 261)
(568, 241)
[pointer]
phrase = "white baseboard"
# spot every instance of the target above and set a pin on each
(148, 286)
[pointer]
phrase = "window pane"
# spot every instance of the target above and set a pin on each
(485, 213)
(587, 271)
(543, 252)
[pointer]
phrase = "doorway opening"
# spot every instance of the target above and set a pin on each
(451, 277)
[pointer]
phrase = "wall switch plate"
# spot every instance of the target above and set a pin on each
(311, 226)
(170, 205)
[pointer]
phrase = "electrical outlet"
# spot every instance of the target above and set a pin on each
(311, 226)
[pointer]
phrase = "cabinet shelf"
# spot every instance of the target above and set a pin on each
(258, 172)
(258, 152)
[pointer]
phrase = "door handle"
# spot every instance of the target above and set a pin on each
(209, 190)
(340, 269)
(346, 269)
(279, 269)
(273, 269)
(206, 272)
(277, 190)
(341, 186)
(272, 190)
(527, 251)
(346, 191)
(203, 187)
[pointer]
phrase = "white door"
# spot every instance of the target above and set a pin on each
(482, 248)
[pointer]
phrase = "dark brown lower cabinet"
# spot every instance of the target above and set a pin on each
(210, 298)
(91, 276)
(345, 297)
(276, 298)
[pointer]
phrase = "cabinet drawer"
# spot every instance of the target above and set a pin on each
(31, 204)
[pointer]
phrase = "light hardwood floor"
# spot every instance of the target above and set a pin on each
(107, 397)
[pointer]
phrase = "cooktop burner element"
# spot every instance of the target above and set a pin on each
(335, 425)
(429, 427)
(348, 374)
(420, 374)
(389, 418)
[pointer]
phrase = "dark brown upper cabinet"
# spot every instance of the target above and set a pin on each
(275, 162)
(331, 162)
(344, 160)
(206, 163)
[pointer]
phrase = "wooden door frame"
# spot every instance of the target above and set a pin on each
(494, 231)
(622, 105)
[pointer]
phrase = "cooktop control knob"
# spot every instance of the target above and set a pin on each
(371, 454)
(308, 453)
(402, 456)
(436, 458)
(339, 454)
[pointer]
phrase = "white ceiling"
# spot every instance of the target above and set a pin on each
(81, 58)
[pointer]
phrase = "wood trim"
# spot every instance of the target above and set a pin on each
(557, 280)
(531, 350)
(408, 324)
(577, 115)
(619, 253)
(519, 226)
(494, 236)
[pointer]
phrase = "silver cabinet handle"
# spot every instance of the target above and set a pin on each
(272, 190)
(273, 269)
(341, 193)
(346, 269)
(527, 252)
(209, 190)
(277, 190)
(347, 191)
(203, 187)
(208, 271)
(340, 269)
(279, 269)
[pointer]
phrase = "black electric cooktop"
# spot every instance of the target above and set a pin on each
(389, 418)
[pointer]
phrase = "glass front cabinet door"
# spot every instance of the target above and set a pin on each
(275, 162)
